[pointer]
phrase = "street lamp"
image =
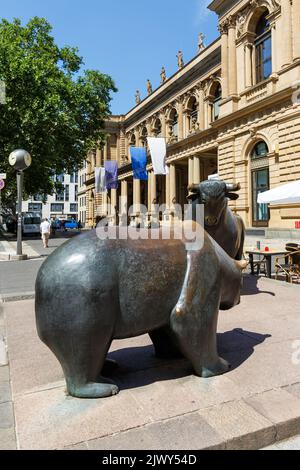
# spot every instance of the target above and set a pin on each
(19, 160)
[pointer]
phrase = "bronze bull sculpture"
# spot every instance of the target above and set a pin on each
(91, 291)
(220, 222)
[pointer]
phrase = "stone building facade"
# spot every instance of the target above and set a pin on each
(234, 109)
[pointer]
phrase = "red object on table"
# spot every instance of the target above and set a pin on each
(267, 248)
(297, 224)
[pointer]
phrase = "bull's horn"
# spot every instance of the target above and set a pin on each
(193, 188)
(230, 187)
(242, 264)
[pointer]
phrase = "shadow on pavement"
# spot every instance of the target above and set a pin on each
(250, 286)
(138, 366)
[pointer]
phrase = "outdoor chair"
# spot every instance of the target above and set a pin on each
(289, 264)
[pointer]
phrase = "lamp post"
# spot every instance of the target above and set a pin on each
(20, 160)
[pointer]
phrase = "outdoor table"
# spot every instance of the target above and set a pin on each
(268, 256)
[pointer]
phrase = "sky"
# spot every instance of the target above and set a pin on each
(130, 40)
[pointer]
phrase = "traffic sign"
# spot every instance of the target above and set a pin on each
(2, 184)
(2, 176)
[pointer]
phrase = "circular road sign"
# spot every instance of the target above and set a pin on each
(2, 184)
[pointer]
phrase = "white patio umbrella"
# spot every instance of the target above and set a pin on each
(285, 194)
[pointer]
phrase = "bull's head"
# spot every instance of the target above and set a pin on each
(214, 195)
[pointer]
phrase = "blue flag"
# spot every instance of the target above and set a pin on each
(139, 162)
(111, 174)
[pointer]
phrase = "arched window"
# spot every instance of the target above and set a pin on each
(144, 135)
(157, 128)
(263, 49)
(132, 141)
(216, 102)
(174, 124)
(260, 182)
(193, 114)
(260, 150)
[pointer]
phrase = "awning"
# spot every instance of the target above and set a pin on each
(285, 194)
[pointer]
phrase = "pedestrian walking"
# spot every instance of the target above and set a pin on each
(45, 229)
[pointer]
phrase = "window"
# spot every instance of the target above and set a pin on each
(157, 128)
(260, 150)
(60, 178)
(67, 192)
(38, 197)
(35, 207)
(76, 192)
(260, 182)
(73, 207)
(57, 208)
(174, 125)
(60, 195)
(216, 103)
(263, 49)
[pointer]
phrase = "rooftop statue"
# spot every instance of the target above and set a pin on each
(163, 75)
(137, 97)
(201, 45)
(180, 60)
(149, 87)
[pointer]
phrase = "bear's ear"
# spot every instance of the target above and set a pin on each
(192, 196)
(232, 196)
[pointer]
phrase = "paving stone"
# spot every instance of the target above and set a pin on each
(6, 416)
(240, 425)
(56, 420)
(4, 374)
(5, 394)
(293, 389)
(7, 439)
(293, 443)
(185, 432)
(281, 408)
(268, 366)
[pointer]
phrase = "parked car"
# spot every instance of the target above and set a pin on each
(71, 224)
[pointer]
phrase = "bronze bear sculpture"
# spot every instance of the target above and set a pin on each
(124, 288)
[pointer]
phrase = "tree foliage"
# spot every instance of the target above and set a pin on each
(51, 110)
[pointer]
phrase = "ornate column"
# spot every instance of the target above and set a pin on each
(286, 22)
(136, 195)
(223, 28)
(197, 177)
(113, 204)
(274, 47)
(98, 157)
(232, 63)
(248, 65)
(180, 118)
(172, 185)
(105, 150)
(137, 137)
(201, 117)
(153, 188)
(163, 123)
(296, 29)
(123, 203)
(191, 171)
(168, 190)
(149, 191)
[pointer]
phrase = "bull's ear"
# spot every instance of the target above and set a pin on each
(232, 196)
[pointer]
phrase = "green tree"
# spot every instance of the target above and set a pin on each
(51, 110)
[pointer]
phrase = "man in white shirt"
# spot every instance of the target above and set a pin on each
(45, 228)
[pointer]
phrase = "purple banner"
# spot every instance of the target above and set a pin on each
(111, 174)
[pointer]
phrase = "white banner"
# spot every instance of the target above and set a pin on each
(100, 179)
(158, 152)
